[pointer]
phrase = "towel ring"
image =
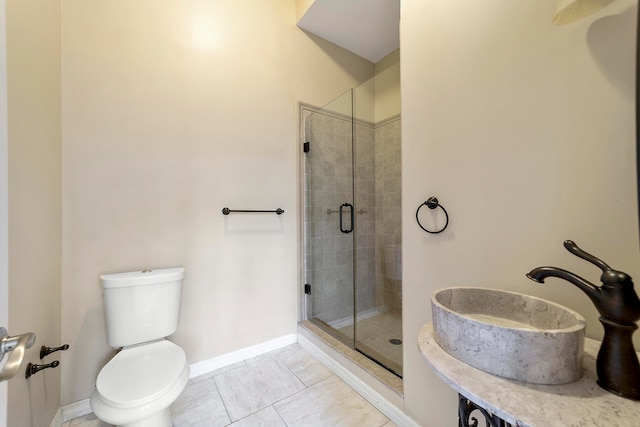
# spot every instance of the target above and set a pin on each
(432, 203)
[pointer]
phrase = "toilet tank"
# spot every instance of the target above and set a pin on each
(141, 306)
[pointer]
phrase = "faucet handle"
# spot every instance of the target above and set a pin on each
(609, 275)
(574, 249)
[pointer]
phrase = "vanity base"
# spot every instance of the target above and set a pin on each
(467, 412)
(580, 403)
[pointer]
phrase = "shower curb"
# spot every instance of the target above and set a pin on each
(384, 405)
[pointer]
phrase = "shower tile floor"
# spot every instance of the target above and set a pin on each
(286, 387)
(374, 335)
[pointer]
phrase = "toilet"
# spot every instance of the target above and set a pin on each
(137, 386)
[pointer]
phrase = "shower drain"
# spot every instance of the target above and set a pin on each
(395, 341)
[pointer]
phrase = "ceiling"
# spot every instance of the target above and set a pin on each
(368, 28)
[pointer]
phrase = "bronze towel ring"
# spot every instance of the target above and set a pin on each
(432, 203)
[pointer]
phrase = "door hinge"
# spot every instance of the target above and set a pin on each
(307, 289)
(305, 147)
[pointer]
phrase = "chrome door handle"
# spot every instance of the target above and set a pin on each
(17, 347)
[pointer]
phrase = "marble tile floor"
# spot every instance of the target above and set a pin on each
(286, 387)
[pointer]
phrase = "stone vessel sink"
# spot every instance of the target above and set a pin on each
(508, 334)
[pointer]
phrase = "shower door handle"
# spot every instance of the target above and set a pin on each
(341, 212)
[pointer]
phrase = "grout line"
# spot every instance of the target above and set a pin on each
(293, 373)
(224, 405)
(271, 355)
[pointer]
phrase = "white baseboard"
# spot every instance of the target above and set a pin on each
(210, 365)
(82, 407)
(57, 419)
(390, 410)
(75, 410)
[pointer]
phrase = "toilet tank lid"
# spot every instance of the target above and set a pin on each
(143, 277)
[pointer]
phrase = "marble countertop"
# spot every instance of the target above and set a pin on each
(581, 403)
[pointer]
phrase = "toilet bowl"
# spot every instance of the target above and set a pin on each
(139, 384)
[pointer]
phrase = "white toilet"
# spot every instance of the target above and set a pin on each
(137, 386)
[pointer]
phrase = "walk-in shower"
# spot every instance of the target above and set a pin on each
(352, 256)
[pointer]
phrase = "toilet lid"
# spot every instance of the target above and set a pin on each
(137, 375)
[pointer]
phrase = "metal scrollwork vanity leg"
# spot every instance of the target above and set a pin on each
(465, 418)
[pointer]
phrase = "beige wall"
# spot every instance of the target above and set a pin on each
(34, 129)
(387, 87)
(525, 133)
(172, 111)
(301, 7)
(377, 99)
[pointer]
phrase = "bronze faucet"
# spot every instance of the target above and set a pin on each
(619, 307)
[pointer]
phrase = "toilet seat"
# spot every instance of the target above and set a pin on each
(141, 374)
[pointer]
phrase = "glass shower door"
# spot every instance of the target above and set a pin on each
(329, 218)
(352, 229)
(378, 282)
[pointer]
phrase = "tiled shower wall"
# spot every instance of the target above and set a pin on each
(328, 252)
(365, 217)
(388, 255)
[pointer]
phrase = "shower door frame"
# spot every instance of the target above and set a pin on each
(306, 110)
